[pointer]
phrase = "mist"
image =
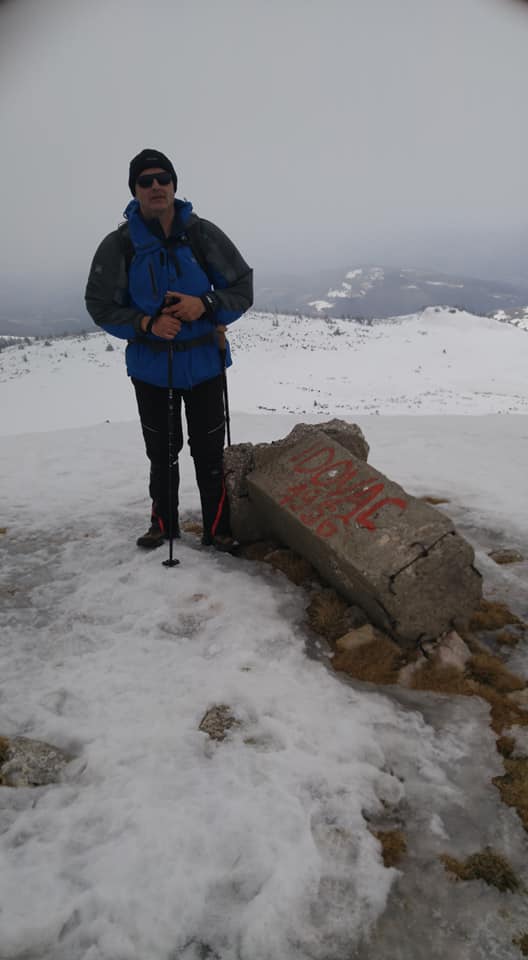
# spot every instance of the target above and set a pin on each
(313, 134)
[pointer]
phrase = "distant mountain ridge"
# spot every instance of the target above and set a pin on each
(361, 292)
(369, 292)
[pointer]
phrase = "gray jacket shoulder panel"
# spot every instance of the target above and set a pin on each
(106, 293)
(225, 259)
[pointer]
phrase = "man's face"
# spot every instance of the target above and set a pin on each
(154, 200)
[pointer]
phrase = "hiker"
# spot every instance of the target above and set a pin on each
(167, 276)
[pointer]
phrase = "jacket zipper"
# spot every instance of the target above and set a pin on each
(153, 280)
(176, 262)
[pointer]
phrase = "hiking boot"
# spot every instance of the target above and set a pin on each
(156, 537)
(222, 542)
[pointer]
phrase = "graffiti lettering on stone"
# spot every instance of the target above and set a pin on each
(328, 496)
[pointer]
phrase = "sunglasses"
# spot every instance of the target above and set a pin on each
(147, 179)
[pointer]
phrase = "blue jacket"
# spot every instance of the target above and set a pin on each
(136, 265)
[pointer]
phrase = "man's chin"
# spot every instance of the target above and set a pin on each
(157, 210)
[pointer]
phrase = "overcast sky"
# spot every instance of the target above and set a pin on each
(314, 132)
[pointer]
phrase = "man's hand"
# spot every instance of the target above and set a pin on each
(185, 307)
(166, 326)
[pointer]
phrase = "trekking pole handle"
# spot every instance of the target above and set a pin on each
(221, 339)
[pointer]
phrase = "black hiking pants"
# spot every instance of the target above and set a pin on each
(204, 412)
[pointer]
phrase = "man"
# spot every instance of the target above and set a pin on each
(168, 277)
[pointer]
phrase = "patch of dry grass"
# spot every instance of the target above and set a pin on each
(441, 680)
(258, 550)
(4, 746)
(192, 526)
(513, 786)
(449, 680)
(504, 713)
(492, 616)
(487, 669)
(378, 661)
(506, 638)
(434, 501)
(506, 746)
(393, 846)
(485, 865)
(293, 566)
(522, 942)
(326, 614)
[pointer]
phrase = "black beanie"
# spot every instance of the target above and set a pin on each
(146, 159)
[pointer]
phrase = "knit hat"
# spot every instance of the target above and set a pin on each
(146, 159)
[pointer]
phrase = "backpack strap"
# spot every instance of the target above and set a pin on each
(193, 235)
(126, 245)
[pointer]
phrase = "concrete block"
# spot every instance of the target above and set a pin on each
(393, 555)
(242, 458)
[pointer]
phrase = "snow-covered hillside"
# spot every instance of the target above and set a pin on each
(160, 844)
(433, 362)
(381, 291)
(518, 318)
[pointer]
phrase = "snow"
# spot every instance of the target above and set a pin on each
(160, 843)
(518, 318)
(367, 277)
(321, 305)
(434, 362)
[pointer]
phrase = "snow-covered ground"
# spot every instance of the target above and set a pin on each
(161, 844)
(429, 363)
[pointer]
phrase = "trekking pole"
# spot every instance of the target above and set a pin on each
(171, 562)
(223, 351)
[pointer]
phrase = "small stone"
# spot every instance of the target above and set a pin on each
(452, 651)
(31, 763)
(358, 638)
(217, 721)
(506, 556)
(448, 650)
(407, 672)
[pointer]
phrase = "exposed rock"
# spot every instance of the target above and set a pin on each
(217, 721)
(358, 638)
(406, 674)
(395, 557)
(246, 527)
(30, 763)
(506, 556)
(242, 458)
(448, 651)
